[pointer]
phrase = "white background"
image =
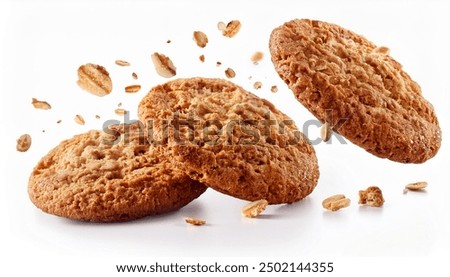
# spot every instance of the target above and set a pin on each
(42, 43)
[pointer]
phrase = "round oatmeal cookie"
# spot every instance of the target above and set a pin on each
(346, 80)
(109, 176)
(231, 140)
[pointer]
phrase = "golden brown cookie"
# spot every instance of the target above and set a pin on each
(231, 140)
(109, 176)
(340, 76)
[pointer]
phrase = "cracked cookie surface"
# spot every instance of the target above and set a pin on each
(109, 176)
(231, 140)
(339, 75)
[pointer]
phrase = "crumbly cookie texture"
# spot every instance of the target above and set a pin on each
(372, 196)
(109, 176)
(369, 99)
(231, 140)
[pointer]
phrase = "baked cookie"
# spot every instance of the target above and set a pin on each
(344, 79)
(231, 140)
(109, 176)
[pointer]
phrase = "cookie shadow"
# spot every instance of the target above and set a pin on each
(293, 210)
(370, 210)
(416, 192)
(191, 209)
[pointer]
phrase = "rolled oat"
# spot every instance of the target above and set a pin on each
(163, 65)
(254, 208)
(23, 143)
(195, 221)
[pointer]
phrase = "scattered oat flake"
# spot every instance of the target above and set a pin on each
(94, 79)
(42, 105)
(257, 85)
(416, 186)
(120, 111)
(230, 73)
(134, 75)
(195, 221)
(254, 208)
(325, 131)
(200, 38)
(79, 119)
(132, 88)
(163, 65)
(232, 28)
(122, 63)
(382, 50)
(257, 57)
(23, 143)
(274, 89)
(202, 58)
(372, 196)
(335, 202)
(120, 104)
(221, 26)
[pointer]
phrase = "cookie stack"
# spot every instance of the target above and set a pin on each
(193, 134)
(197, 133)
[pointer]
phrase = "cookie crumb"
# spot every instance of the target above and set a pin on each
(232, 28)
(42, 105)
(218, 63)
(94, 79)
(230, 73)
(122, 63)
(134, 75)
(132, 88)
(200, 38)
(416, 186)
(59, 121)
(120, 104)
(168, 41)
(335, 202)
(257, 85)
(257, 57)
(195, 221)
(325, 131)
(23, 143)
(274, 89)
(202, 58)
(163, 65)
(79, 119)
(372, 196)
(97, 116)
(120, 111)
(254, 208)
